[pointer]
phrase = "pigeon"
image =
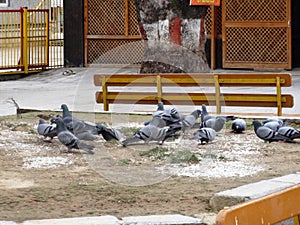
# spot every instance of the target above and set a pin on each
(151, 132)
(267, 134)
(273, 119)
(68, 139)
(289, 132)
(274, 125)
(238, 125)
(169, 115)
(46, 130)
(217, 123)
(188, 121)
(82, 129)
(108, 133)
(85, 131)
(67, 117)
(204, 114)
(205, 135)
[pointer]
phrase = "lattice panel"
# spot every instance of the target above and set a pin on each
(106, 17)
(256, 45)
(256, 10)
(115, 51)
(133, 25)
(208, 20)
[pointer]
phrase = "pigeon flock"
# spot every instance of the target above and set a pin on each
(165, 123)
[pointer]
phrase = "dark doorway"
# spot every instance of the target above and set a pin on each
(296, 33)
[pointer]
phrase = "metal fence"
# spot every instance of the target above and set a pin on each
(31, 39)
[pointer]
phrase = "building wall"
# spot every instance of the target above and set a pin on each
(73, 33)
(13, 4)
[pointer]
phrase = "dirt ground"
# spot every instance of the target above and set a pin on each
(38, 180)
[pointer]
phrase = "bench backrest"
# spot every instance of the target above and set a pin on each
(217, 81)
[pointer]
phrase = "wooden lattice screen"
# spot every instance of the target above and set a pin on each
(208, 22)
(112, 34)
(256, 34)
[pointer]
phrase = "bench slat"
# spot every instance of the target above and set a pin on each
(216, 97)
(261, 100)
(225, 80)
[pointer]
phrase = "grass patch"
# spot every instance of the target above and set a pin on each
(129, 130)
(156, 153)
(184, 156)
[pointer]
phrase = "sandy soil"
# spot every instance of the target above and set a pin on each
(38, 180)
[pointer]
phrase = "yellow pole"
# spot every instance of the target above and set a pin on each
(25, 41)
(279, 106)
(104, 94)
(218, 93)
(159, 88)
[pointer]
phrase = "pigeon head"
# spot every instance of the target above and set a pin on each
(65, 109)
(59, 123)
(204, 109)
(196, 113)
(42, 121)
(160, 106)
(100, 128)
(256, 124)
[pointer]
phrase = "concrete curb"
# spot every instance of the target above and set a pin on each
(252, 191)
(175, 219)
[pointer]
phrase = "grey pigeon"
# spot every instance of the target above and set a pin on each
(217, 123)
(273, 119)
(206, 116)
(151, 132)
(274, 125)
(67, 117)
(46, 130)
(84, 131)
(267, 134)
(204, 113)
(205, 135)
(68, 139)
(169, 115)
(289, 132)
(108, 133)
(188, 121)
(238, 125)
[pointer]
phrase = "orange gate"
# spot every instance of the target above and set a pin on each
(24, 40)
(256, 34)
(111, 32)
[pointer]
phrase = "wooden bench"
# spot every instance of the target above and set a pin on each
(132, 89)
(271, 209)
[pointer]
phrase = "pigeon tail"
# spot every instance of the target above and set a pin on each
(130, 141)
(86, 147)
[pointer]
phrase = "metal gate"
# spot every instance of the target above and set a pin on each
(111, 32)
(24, 39)
(32, 39)
(256, 34)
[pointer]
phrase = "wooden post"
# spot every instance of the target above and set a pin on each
(126, 31)
(218, 93)
(213, 37)
(278, 92)
(104, 94)
(159, 88)
(25, 40)
(297, 220)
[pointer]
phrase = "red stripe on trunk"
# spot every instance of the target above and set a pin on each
(202, 34)
(175, 31)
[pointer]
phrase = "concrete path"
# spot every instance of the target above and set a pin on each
(49, 89)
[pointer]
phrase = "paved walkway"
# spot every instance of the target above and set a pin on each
(49, 89)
